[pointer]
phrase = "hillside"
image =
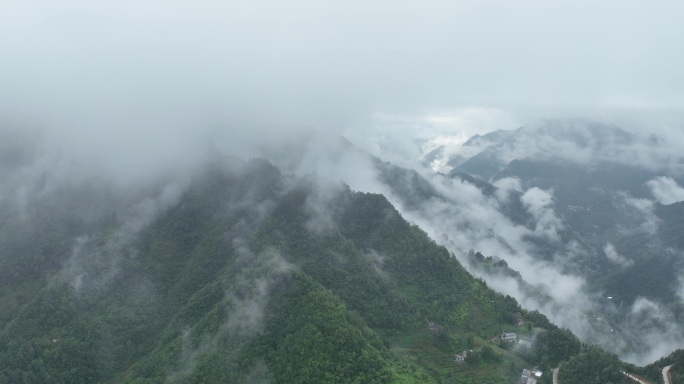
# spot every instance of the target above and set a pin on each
(249, 275)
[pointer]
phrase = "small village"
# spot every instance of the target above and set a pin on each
(518, 344)
(509, 342)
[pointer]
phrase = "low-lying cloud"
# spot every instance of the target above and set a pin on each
(613, 255)
(465, 218)
(666, 190)
(539, 204)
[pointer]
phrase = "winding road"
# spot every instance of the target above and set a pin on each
(666, 375)
(636, 378)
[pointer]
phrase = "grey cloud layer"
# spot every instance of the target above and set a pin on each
(329, 63)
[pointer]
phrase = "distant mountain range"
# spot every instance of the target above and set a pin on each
(605, 189)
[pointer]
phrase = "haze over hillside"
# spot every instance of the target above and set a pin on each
(498, 128)
(243, 271)
(582, 210)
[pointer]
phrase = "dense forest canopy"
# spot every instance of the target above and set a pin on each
(250, 275)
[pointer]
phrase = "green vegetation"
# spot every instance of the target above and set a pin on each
(253, 276)
(654, 371)
(592, 365)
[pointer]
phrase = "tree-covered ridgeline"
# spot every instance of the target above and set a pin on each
(249, 276)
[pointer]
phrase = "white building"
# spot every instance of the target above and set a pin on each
(509, 337)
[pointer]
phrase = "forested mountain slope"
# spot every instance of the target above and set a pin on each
(248, 275)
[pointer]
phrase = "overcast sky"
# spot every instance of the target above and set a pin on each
(332, 64)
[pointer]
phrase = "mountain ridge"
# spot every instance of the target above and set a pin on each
(202, 285)
(173, 281)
